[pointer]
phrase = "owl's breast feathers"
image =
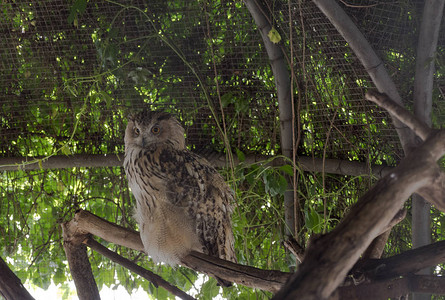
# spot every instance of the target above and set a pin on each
(161, 174)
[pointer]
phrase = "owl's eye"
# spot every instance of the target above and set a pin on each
(155, 129)
(136, 131)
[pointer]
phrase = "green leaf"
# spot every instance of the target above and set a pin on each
(274, 36)
(59, 276)
(240, 155)
(227, 99)
(275, 184)
(209, 289)
(79, 6)
(66, 150)
(287, 169)
(107, 98)
(241, 105)
(314, 221)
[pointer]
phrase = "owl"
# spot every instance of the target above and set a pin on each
(182, 202)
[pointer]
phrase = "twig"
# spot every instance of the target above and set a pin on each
(293, 246)
(150, 276)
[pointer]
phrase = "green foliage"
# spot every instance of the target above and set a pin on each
(71, 81)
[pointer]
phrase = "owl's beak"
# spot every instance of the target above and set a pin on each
(144, 142)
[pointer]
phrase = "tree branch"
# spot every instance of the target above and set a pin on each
(426, 50)
(311, 164)
(420, 128)
(283, 86)
(393, 288)
(150, 276)
(408, 262)
(11, 287)
(375, 249)
(433, 192)
(268, 280)
(369, 59)
(330, 258)
(79, 264)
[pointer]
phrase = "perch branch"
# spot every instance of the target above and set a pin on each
(88, 223)
(150, 276)
(268, 280)
(311, 164)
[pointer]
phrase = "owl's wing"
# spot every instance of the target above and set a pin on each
(192, 183)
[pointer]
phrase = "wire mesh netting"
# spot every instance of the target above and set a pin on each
(72, 72)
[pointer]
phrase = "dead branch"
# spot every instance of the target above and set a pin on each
(398, 111)
(155, 279)
(295, 248)
(268, 280)
(330, 258)
(433, 192)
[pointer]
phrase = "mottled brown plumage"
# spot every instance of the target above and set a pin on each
(182, 202)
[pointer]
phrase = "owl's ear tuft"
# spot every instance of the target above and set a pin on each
(131, 116)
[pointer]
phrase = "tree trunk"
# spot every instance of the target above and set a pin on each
(423, 91)
(283, 86)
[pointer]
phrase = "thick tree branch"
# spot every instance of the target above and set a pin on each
(408, 262)
(422, 104)
(11, 287)
(433, 192)
(369, 59)
(330, 258)
(245, 275)
(375, 249)
(426, 50)
(150, 276)
(394, 288)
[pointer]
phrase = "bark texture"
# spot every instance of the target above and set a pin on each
(11, 287)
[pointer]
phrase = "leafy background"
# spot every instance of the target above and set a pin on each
(72, 72)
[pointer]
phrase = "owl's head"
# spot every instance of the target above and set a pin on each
(150, 127)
